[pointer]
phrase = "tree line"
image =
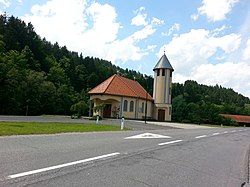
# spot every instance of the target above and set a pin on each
(38, 77)
(197, 103)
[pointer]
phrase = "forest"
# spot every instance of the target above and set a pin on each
(38, 77)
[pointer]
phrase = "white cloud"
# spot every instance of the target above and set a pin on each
(246, 52)
(88, 28)
(216, 10)
(143, 33)
(228, 74)
(157, 21)
(191, 49)
(194, 17)
(175, 27)
(126, 49)
(194, 56)
(139, 20)
(151, 47)
(5, 3)
(219, 30)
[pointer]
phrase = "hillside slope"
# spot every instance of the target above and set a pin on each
(37, 77)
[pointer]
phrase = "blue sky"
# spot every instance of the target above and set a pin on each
(205, 40)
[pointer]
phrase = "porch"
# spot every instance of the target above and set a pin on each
(106, 107)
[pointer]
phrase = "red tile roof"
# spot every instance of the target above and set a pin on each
(238, 118)
(118, 85)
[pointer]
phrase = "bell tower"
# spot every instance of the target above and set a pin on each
(162, 89)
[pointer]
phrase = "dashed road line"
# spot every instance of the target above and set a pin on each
(225, 132)
(61, 166)
(202, 136)
(216, 133)
(171, 142)
(233, 131)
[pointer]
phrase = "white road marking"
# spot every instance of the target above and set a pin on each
(61, 166)
(202, 136)
(147, 136)
(233, 131)
(225, 132)
(171, 142)
(216, 133)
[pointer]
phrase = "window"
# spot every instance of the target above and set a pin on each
(131, 106)
(170, 110)
(170, 73)
(158, 72)
(142, 107)
(163, 72)
(125, 105)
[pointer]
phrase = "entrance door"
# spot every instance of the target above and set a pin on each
(161, 115)
(107, 111)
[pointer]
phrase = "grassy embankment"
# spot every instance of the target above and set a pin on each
(21, 128)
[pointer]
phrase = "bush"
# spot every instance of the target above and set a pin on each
(78, 109)
(227, 121)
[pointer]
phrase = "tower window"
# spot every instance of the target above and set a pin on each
(170, 73)
(163, 72)
(131, 106)
(158, 72)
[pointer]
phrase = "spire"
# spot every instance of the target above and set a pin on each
(163, 63)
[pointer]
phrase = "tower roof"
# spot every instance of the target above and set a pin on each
(163, 63)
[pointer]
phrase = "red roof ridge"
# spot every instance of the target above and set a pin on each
(149, 96)
(121, 78)
(113, 77)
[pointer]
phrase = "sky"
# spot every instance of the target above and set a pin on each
(205, 40)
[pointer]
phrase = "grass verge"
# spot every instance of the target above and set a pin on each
(22, 128)
(224, 126)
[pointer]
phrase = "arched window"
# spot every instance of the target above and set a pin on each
(163, 72)
(131, 106)
(142, 107)
(125, 105)
(158, 72)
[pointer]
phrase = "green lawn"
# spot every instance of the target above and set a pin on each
(18, 128)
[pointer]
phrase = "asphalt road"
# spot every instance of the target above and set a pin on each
(199, 157)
